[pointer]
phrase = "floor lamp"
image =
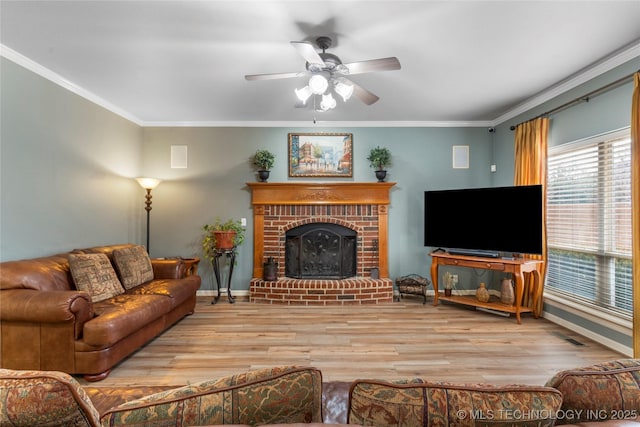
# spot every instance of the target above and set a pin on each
(148, 184)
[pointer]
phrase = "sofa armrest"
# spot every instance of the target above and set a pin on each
(285, 394)
(174, 268)
(28, 305)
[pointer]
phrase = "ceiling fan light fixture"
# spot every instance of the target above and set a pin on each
(318, 84)
(344, 89)
(303, 94)
(328, 102)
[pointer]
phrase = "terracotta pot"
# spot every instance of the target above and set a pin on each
(225, 239)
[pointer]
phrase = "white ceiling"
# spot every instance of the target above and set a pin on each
(464, 63)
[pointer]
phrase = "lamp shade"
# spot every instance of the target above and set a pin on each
(318, 84)
(328, 102)
(344, 89)
(148, 183)
(303, 94)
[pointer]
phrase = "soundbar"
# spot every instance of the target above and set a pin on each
(474, 252)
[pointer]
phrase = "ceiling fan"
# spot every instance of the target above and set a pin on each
(329, 75)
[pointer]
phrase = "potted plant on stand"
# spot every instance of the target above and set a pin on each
(379, 158)
(221, 235)
(263, 161)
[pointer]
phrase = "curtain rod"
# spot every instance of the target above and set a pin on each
(583, 98)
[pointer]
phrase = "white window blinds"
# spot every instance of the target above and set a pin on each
(589, 222)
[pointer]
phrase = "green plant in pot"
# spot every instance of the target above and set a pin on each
(221, 235)
(262, 161)
(379, 158)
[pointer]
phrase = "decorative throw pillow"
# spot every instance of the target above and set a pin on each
(94, 274)
(286, 394)
(134, 266)
(418, 403)
(608, 390)
(39, 398)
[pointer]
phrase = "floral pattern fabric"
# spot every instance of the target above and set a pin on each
(418, 403)
(44, 399)
(266, 396)
(609, 390)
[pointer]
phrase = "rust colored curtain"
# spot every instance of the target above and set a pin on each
(531, 169)
(635, 210)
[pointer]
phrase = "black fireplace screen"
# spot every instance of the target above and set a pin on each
(320, 251)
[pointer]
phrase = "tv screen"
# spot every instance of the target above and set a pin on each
(496, 219)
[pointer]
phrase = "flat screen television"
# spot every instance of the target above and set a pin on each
(495, 221)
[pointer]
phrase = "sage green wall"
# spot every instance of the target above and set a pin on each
(603, 113)
(214, 184)
(66, 168)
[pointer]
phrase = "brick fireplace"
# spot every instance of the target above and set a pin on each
(361, 207)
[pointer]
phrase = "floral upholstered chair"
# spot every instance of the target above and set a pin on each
(44, 398)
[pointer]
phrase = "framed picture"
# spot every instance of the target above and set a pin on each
(320, 155)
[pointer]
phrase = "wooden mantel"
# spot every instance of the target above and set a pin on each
(319, 193)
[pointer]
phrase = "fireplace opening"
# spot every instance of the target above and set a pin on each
(320, 251)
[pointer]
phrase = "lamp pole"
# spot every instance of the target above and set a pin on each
(148, 184)
(148, 209)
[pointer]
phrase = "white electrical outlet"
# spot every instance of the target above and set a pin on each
(243, 222)
(493, 168)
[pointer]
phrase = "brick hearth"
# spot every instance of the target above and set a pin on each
(361, 207)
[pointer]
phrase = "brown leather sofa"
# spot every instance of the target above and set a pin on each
(49, 325)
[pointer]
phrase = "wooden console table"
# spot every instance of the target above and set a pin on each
(527, 300)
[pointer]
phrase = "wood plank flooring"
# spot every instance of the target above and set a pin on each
(391, 341)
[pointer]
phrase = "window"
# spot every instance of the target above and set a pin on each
(589, 222)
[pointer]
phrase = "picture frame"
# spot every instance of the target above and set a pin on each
(320, 155)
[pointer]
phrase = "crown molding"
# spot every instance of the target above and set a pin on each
(23, 61)
(320, 124)
(622, 56)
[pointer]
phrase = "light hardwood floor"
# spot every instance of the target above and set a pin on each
(391, 341)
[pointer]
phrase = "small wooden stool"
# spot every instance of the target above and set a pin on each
(413, 284)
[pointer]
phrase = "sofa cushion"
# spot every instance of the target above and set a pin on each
(285, 394)
(94, 274)
(418, 403)
(608, 390)
(179, 290)
(44, 274)
(39, 398)
(133, 265)
(121, 316)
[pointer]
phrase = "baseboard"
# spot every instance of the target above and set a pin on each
(240, 296)
(604, 321)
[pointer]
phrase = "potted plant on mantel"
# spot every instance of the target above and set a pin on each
(221, 235)
(263, 161)
(379, 158)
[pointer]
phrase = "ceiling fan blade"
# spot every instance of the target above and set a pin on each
(363, 94)
(382, 64)
(308, 52)
(274, 76)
